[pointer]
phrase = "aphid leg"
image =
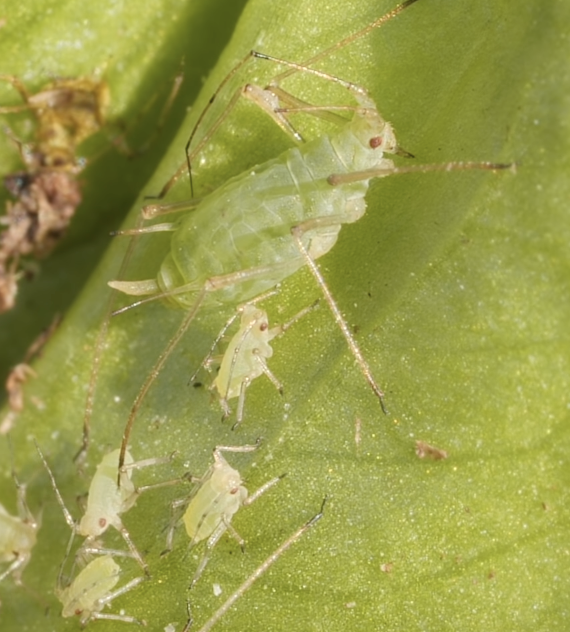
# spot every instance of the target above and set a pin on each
(297, 232)
(81, 454)
(107, 599)
(19, 86)
(257, 573)
(211, 543)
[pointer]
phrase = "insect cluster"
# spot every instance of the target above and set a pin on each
(229, 252)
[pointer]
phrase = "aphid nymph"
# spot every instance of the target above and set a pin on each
(219, 494)
(246, 356)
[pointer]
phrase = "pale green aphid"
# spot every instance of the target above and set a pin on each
(18, 536)
(262, 226)
(219, 495)
(92, 590)
(106, 502)
(246, 356)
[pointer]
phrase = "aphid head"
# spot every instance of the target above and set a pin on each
(385, 141)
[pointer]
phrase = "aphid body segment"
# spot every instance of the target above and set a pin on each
(218, 498)
(18, 536)
(245, 357)
(222, 257)
(92, 590)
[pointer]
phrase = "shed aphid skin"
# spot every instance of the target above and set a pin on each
(257, 573)
(219, 494)
(280, 216)
(246, 356)
(18, 535)
(106, 502)
(93, 589)
(47, 193)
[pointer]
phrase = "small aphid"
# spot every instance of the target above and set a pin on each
(106, 501)
(257, 573)
(246, 357)
(219, 495)
(280, 216)
(426, 451)
(18, 536)
(92, 590)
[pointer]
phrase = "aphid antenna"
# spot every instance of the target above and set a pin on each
(257, 573)
(337, 179)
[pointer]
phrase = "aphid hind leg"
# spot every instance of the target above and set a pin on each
(105, 601)
(297, 233)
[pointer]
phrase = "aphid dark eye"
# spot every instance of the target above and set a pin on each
(102, 522)
(375, 142)
(263, 326)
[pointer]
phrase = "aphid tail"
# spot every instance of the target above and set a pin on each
(135, 288)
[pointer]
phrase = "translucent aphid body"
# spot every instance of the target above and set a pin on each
(93, 589)
(246, 355)
(219, 494)
(209, 249)
(107, 501)
(244, 359)
(218, 498)
(18, 535)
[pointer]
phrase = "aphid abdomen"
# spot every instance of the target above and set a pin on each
(106, 501)
(246, 223)
(93, 583)
(217, 500)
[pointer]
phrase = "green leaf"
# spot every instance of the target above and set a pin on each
(456, 284)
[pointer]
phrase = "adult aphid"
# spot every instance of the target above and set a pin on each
(219, 494)
(262, 226)
(245, 358)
